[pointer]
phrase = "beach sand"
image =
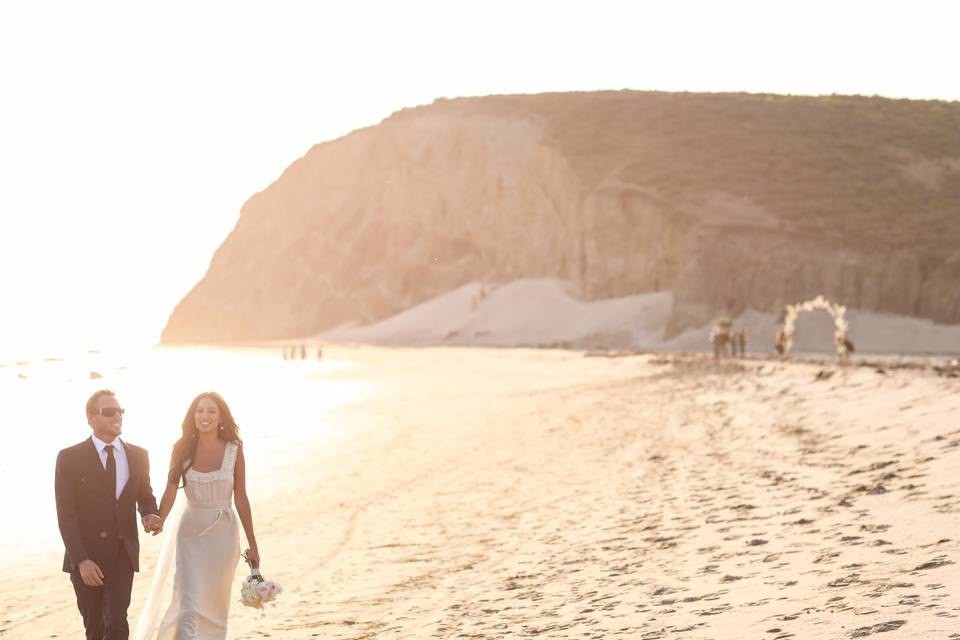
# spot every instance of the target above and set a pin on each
(485, 493)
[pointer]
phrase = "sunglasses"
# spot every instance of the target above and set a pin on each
(108, 412)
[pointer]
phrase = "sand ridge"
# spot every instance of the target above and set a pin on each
(549, 312)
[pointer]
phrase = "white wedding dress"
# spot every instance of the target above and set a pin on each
(207, 554)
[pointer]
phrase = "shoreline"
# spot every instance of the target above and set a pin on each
(943, 363)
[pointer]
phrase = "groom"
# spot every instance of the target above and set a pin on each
(99, 485)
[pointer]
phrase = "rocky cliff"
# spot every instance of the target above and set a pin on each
(729, 201)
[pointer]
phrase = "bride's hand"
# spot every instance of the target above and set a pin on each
(253, 556)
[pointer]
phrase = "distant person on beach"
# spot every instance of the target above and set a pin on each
(742, 342)
(208, 459)
(721, 338)
(100, 484)
(844, 346)
(780, 342)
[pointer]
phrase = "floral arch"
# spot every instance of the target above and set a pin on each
(836, 311)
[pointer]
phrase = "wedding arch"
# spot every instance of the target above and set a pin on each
(837, 312)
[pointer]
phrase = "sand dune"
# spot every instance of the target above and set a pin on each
(529, 312)
(514, 493)
(548, 312)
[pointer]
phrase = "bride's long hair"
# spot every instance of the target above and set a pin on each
(185, 448)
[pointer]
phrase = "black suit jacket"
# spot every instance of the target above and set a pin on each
(92, 522)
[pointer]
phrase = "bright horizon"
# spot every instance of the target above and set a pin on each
(132, 137)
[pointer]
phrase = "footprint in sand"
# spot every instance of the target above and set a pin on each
(939, 561)
(892, 625)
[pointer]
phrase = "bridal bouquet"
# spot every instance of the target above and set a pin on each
(255, 591)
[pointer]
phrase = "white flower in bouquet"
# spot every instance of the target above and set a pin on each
(248, 593)
(255, 591)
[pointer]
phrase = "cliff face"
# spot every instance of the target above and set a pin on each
(728, 200)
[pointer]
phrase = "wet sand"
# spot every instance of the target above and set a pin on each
(515, 493)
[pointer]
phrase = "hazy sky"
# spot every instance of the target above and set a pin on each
(132, 133)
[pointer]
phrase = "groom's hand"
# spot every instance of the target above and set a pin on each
(90, 573)
(152, 524)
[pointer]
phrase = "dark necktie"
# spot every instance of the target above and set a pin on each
(111, 472)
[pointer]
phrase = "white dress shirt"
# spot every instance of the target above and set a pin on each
(119, 456)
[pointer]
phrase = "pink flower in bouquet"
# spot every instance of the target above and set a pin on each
(265, 591)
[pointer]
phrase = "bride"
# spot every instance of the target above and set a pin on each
(208, 459)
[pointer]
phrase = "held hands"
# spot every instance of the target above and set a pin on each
(90, 573)
(152, 524)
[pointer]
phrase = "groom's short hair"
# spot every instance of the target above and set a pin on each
(93, 399)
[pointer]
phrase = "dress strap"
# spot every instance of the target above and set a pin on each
(230, 457)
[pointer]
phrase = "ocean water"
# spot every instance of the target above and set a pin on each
(279, 405)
